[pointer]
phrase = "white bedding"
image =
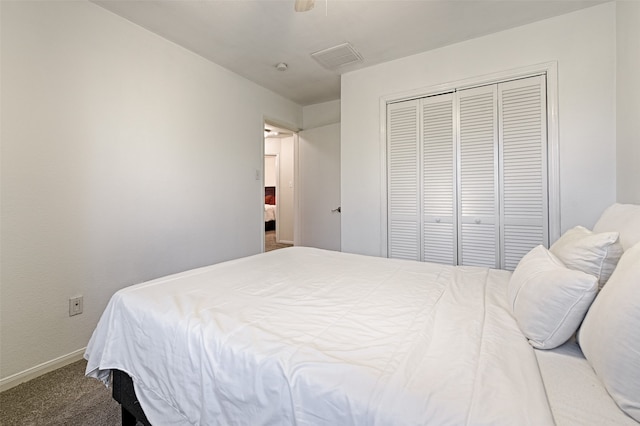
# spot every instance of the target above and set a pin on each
(311, 337)
(269, 212)
(576, 394)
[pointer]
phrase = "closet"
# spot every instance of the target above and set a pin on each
(467, 175)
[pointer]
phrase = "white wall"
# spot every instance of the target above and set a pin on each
(628, 100)
(271, 147)
(270, 170)
(124, 158)
(583, 44)
(322, 114)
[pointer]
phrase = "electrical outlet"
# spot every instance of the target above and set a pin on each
(75, 306)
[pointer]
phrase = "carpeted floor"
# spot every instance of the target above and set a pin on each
(61, 397)
(66, 397)
(270, 242)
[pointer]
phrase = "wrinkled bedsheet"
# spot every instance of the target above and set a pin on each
(312, 337)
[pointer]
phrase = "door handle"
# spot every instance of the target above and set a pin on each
(337, 209)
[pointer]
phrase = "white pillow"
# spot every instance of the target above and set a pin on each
(610, 334)
(624, 218)
(583, 250)
(548, 299)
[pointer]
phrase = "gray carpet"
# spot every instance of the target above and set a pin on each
(270, 242)
(61, 397)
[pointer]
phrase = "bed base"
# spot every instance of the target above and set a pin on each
(124, 393)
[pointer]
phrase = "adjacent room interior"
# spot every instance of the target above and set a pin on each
(279, 183)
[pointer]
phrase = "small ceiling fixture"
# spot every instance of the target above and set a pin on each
(281, 66)
(276, 133)
(269, 133)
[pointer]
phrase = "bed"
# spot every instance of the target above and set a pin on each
(313, 337)
(269, 208)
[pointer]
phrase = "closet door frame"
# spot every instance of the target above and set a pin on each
(550, 69)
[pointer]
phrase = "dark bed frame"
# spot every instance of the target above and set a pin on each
(123, 392)
(270, 225)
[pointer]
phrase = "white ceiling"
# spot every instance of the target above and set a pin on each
(249, 37)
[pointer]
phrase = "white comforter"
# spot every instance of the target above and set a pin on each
(269, 212)
(311, 337)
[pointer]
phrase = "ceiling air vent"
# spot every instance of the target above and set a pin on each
(337, 56)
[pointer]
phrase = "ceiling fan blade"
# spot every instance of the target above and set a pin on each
(303, 5)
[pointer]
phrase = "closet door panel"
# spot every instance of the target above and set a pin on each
(519, 240)
(403, 180)
(478, 218)
(523, 154)
(438, 179)
(438, 244)
(404, 241)
(478, 243)
(467, 175)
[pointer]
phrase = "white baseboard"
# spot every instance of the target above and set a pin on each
(39, 370)
(284, 242)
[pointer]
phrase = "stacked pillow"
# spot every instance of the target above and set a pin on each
(623, 218)
(610, 334)
(594, 253)
(550, 291)
(548, 299)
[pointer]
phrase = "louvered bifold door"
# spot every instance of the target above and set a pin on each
(403, 180)
(478, 214)
(523, 155)
(438, 179)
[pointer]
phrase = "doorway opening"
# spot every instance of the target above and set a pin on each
(279, 183)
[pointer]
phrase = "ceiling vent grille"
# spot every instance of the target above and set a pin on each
(337, 56)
